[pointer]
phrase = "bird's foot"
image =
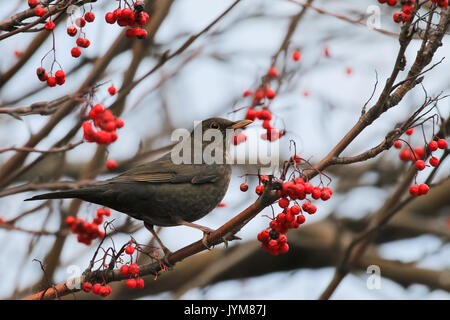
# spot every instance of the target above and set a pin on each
(167, 252)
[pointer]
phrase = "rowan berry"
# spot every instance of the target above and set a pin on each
(129, 250)
(244, 187)
(86, 286)
(111, 164)
(442, 144)
(96, 288)
(72, 30)
(410, 131)
(39, 11)
(75, 52)
(420, 165)
(296, 55)
(270, 94)
(51, 81)
(49, 25)
(89, 16)
(133, 269)
(131, 283)
(272, 72)
(139, 283)
(124, 270)
(80, 22)
(423, 189)
(110, 18)
(397, 144)
(33, 3)
(433, 146)
(414, 190)
(434, 161)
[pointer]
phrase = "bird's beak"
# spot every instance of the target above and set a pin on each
(240, 124)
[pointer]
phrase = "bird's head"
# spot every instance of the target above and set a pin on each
(216, 133)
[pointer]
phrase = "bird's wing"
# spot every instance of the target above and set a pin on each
(164, 171)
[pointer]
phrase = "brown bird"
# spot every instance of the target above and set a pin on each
(163, 193)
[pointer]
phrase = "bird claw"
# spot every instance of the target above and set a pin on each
(205, 238)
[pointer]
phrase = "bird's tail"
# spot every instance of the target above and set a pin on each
(73, 193)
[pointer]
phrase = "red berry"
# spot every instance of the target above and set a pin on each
(98, 220)
(131, 283)
(112, 90)
(272, 72)
(442, 144)
(140, 33)
(391, 2)
(70, 220)
(49, 25)
(96, 288)
(419, 152)
(110, 18)
(325, 195)
(301, 219)
(433, 146)
(83, 42)
(270, 94)
(39, 11)
(284, 248)
(434, 161)
(119, 123)
(75, 52)
(414, 190)
(420, 165)
(410, 131)
(244, 187)
(124, 270)
(142, 18)
(397, 144)
(80, 22)
(86, 286)
(105, 291)
(407, 9)
(129, 250)
(111, 164)
(283, 203)
(316, 193)
(405, 155)
(33, 3)
(259, 94)
(60, 74)
(89, 16)
(296, 55)
(139, 283)
(423, 189)
(247, 93)
(263, 236)
(259, 190)
(51, 81)
(134, 269)
(295, 209)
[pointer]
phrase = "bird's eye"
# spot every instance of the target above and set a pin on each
(214, 125)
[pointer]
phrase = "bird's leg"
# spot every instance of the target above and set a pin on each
(206, 231)
(166, 251)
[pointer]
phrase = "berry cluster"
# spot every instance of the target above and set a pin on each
(86, 232)
(72, 31)
(132, 270)
(441, 3)
(273, 239)
(106, 122)
(101, 290)
(134, 18)
(58, 79)
(418, 156)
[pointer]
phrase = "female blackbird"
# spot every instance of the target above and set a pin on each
(163, 193)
